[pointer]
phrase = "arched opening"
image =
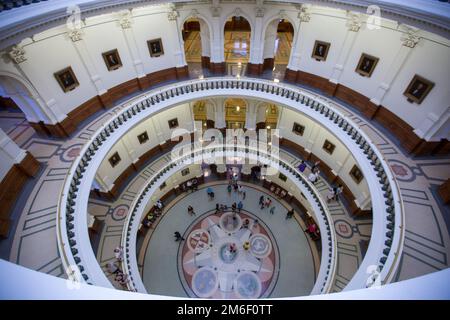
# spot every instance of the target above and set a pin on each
(271, 116)
(278, 41)
(235, 110)
(196, 46)
(202, 112)
(237, 35)
(19, 111)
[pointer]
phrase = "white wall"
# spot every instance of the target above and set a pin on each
(52, 50)
(314, 136)
(129, 147)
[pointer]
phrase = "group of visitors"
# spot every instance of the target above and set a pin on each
(233, 185)
(154, 213)
(334, 192)
(191, 185)
(114, 267)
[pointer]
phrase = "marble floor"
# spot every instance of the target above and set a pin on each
(290, 253)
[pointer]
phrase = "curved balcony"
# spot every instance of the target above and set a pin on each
(328, 260)
(388, 215)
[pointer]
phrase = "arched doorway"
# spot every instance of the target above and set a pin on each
(278, 41)
(235, 110)
(19, 111)
(197, 50)
(237, 35)
(202, 112)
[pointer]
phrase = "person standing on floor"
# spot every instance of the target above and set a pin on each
(233, 207)
(191, 211)
(331, 194)
(290, 214)
(339, 190)
(217, 208)
(261, 201)
(315, 166)
(302, 166)
(268, 202)
(178, 236)
(272, 210)
(244, 195)
(240, 206)
(229, 188)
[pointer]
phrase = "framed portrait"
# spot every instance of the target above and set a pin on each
(155, 47)
(418, 89)
(143, 137)
(173, 123)
(185, 172)
(298, 129)
(112, 59)
(356, 174)
(162, 186)
(282, 177)
(66, 79)
(320, 50)
(366, 65)
(114, 159)
(328, 147)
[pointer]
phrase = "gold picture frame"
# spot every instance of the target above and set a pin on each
(320, 50)
(155, 47)
(173, 123)
(328, 147)
(114, 159)
(366, 65)
(418, 88)
(356, 174)
(143, 137)
(67, 79)
(298, 129)
(112, 59)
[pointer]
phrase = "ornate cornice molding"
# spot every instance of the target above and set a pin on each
(75, 35)
(17, 54)
(125, 20)
(353, 22)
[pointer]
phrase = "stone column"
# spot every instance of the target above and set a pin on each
(250, 115)
(10, 152)
(217, 64)
(125, 21)
(353, 26)
(45, 110)
(219, 114)
(76, 35)
(409, 41)
(297, 46)
(178, 54)
(255, 65)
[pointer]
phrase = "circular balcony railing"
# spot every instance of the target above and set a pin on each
(326, 273)
(387, 236)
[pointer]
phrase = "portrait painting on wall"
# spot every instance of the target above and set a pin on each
(298, 129)
(173, 123)
(356, 174)
(143, 137)
(282, 177)
(418, 89)
(112, 59)
(185, 172)
(155, 47)
(366, 65)
(114, 159)
(328, 147)
(66, 79)
(320, 50)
